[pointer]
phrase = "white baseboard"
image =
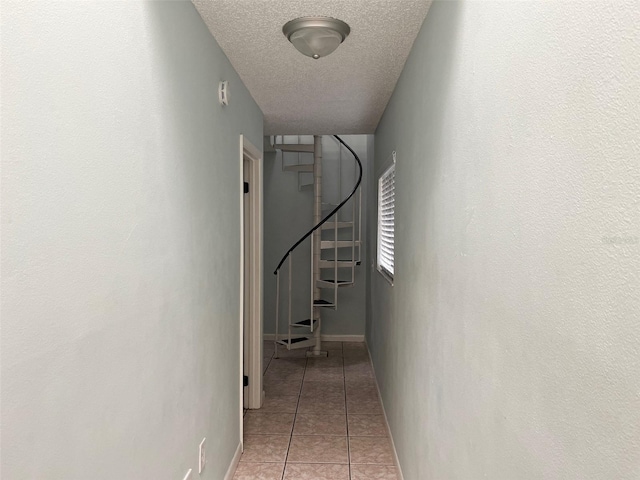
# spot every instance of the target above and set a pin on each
(325, 338)
(234, 463)
(386, 421)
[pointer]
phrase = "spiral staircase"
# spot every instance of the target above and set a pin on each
(332, 245)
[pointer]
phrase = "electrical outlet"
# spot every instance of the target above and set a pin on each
(203, 456)
(188, 475)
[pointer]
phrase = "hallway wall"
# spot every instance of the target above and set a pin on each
(120, 242)
(509, 346)
(288, 214)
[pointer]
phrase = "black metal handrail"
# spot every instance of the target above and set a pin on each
(324, 220)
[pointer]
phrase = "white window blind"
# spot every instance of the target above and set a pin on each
(386, 220)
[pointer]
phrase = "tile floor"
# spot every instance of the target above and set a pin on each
(321, 419)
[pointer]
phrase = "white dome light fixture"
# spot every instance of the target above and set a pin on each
(316, 37)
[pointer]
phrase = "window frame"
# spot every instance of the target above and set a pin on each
(388, 170)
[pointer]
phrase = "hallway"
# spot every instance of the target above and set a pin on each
(489, 261)
(321, 419)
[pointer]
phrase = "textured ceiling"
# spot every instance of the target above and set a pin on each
(345, 92)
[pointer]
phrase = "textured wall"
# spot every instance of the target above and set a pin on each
(288, 214)
(120, 242)
(509, 347)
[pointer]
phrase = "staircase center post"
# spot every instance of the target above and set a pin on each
(317, 216)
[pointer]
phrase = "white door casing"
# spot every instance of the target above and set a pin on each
(251, 276)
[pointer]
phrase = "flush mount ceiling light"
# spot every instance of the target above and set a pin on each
(316, 37)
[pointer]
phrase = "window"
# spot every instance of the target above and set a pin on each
(386, 220)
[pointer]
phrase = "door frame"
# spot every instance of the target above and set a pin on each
(253, 156)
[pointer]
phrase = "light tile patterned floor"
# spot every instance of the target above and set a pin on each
(321, 419)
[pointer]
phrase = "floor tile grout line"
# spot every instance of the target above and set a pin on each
(268, 363)
(346, 417)
(286, 458)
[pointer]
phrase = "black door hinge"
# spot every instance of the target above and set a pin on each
(246, 187)
(245, 381)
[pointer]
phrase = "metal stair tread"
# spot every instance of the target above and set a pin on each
(304, 323)
(295, 147)
(331, 225)
(341, 263)
(294, 340)
(299, 342)
(323, 303)
(328, 244)
(324, 283)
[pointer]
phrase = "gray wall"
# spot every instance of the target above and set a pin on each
(120, 241)
(288, 214)
(509, 346)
